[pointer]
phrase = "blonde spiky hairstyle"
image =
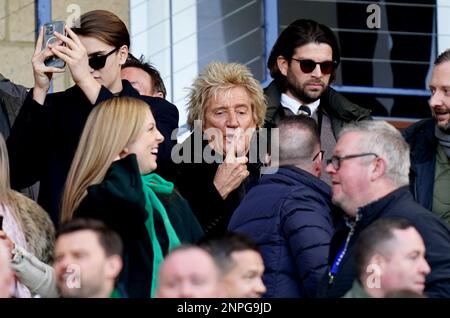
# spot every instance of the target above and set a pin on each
(217, 77)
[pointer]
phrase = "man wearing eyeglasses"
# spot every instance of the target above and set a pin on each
(369, 169)
(303, 64)
(289, 214)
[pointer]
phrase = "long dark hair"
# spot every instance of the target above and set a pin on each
(298, 33)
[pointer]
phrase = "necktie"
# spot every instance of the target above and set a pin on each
(304, 110)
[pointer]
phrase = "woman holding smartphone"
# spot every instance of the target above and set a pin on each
(46, 133)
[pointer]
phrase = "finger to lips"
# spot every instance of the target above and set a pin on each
(231, 152)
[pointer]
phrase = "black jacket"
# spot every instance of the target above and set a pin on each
(45, 137)
(195, 181)
(399, 203)
(423, 148)
(119, 201)
(339, 109)
(289, 215)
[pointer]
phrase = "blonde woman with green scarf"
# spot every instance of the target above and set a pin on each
(110, 179)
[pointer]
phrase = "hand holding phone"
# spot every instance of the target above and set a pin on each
(50, 38)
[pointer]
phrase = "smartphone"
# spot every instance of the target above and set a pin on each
(1, 222)
(49, 38)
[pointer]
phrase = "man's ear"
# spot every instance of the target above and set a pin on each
(113, 266)
(283, 65)
(317, 168)
(123, 54)
(379, 168)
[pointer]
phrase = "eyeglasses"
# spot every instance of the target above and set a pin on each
(319, 154)
(336, 160)
(308, 66)
(99, 61)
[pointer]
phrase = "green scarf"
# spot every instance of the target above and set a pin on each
(115, 294)
(154, 184)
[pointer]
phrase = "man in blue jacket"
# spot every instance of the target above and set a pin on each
(369, 170)
(288, 214)
(429, 140)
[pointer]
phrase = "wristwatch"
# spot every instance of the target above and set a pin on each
(17, 255)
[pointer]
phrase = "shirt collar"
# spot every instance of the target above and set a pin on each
(294, 105)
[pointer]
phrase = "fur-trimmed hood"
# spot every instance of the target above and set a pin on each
(36, 224)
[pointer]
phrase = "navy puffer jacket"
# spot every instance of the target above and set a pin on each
(288, 214)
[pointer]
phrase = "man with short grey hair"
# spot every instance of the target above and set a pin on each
(288, 214)
(369, 170)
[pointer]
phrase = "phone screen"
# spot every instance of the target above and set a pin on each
(49, 38)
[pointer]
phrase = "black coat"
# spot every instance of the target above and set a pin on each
(195, 181)
(119, 201)
(400, 204)
(45, 137)
(423, 145)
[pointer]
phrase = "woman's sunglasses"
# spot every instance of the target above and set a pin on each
(98, 62)
(307, 66)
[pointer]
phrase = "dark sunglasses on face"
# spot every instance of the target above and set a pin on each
(98, 62)
(308, 66)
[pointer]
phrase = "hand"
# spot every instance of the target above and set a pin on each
(75, 55)
(230, 174)
(9, 244)
(42, 73)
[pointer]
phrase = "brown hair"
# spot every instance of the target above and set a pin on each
(104, 26)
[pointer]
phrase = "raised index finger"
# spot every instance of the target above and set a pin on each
(39, 41)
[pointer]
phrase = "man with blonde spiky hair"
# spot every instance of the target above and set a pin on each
(229, 105)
